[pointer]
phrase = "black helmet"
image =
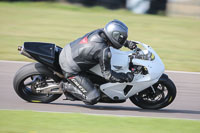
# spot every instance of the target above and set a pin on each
(117, 32)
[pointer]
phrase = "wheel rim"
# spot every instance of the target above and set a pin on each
(29, 84)
(150, 98)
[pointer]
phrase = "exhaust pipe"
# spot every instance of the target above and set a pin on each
(23, 52)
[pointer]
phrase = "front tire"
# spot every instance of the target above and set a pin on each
(164, 94)
(27, 78)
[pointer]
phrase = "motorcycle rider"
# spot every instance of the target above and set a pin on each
(88, 51)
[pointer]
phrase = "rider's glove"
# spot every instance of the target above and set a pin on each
(129, 77)
(131, 44)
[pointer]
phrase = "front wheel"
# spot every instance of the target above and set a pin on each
(157, 96)
(31, 76)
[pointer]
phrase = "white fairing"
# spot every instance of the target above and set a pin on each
(120, 63)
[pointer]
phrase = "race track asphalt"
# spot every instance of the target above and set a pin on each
(186, 104)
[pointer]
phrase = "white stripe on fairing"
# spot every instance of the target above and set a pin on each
(168, 71)
(139, 116)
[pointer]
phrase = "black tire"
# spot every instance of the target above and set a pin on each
(139, 100)
(28, 71)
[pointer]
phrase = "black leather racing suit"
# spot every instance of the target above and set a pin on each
(83, 54)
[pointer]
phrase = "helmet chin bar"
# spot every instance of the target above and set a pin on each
(114, 46)
(110, 44)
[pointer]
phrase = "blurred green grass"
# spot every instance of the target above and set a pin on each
(175, 39)
(41, 122)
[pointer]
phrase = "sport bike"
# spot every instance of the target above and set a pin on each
(42, 81)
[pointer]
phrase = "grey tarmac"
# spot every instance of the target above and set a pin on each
(186, 104)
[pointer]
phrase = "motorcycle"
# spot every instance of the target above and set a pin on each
(42, 81)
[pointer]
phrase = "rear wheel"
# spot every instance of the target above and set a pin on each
(30, 77)
(157, 96)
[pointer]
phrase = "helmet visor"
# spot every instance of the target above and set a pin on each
(119, 37)
(122, 39)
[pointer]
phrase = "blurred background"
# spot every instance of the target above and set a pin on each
(163, 7)
(171, 27)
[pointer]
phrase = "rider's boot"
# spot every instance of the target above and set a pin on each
(67, 94)
(74, 92)
(77, 92)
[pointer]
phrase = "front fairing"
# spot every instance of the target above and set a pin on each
(155, 67)
(120, 63)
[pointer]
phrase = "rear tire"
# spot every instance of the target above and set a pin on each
(146, 100)
(28, 72)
